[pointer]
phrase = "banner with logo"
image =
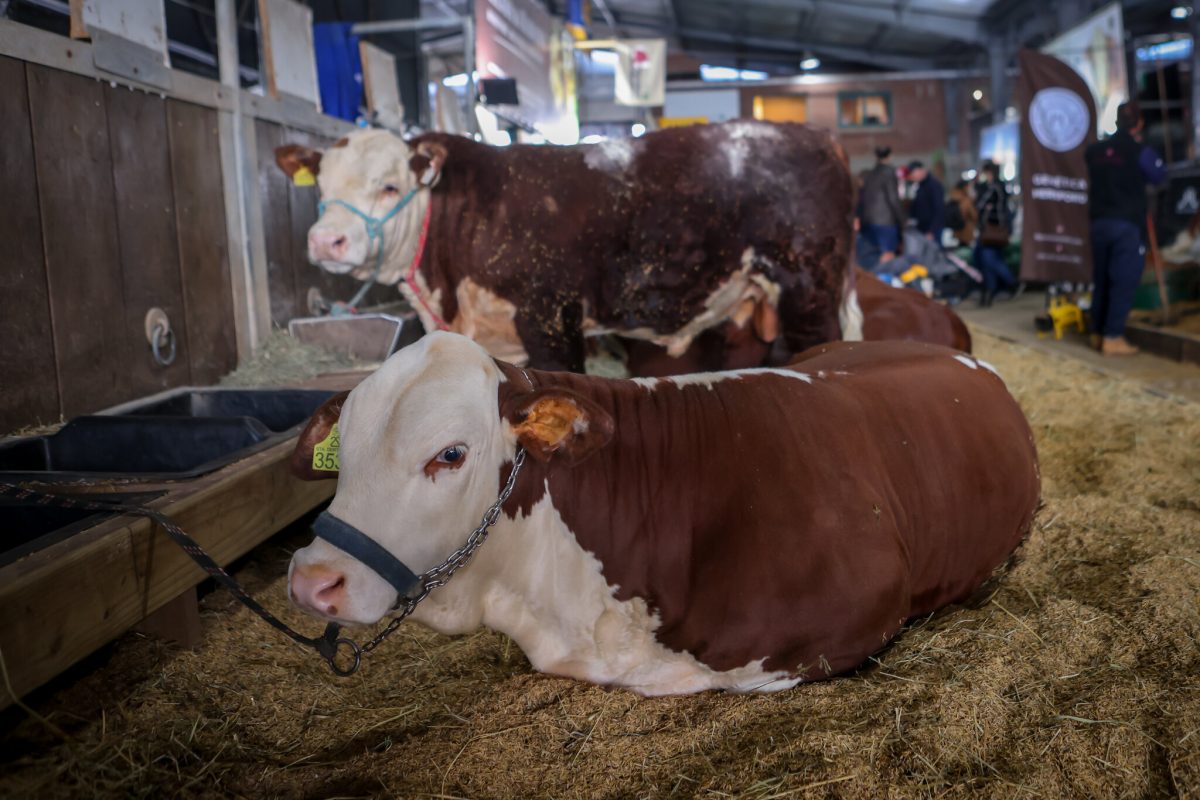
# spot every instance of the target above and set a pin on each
(1058, 123)
(641, 72)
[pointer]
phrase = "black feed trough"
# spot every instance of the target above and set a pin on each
(175, 436)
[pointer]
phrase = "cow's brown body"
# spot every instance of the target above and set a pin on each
(905, 315)
(640, 240)
(802, 522)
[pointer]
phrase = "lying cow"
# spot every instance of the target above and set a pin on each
(889, 314)
(742, 530)
(528, 248)
(894, 314)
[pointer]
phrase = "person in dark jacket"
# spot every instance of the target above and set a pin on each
(882, 217)
(991, 201)
(1119, 168)
(929, 204)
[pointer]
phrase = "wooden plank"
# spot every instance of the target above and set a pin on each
(60, 604)
(203, 246)
(379, 80)
(275, 191)
(136, 21)
(78, 28)
(289, 58)
(75, 192)
(27, 369)
(137, 128)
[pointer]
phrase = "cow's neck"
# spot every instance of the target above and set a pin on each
(618, 497)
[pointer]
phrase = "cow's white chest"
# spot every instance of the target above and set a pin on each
(537, 585)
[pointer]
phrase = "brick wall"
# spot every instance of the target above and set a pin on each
(918, 128)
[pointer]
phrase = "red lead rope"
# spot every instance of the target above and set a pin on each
(410, 276)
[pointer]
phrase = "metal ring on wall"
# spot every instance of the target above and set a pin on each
(161, 332)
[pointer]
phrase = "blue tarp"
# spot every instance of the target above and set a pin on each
(339, 70)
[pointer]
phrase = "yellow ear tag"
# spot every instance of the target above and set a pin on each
(325, 452)
(304, 177)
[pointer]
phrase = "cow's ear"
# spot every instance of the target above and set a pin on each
(555, 423)
(316, 456)
(291, 158)
(428, 161)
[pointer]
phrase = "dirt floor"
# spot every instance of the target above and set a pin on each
(1079, 677)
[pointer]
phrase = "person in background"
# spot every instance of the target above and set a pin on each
(882, 217)
(929, 204)
(995, 228)
(961, 216)
(1119, 168)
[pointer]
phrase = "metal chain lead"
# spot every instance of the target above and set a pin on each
(442, 573)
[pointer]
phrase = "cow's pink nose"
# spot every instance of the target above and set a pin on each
(318, 589)
(324, 245)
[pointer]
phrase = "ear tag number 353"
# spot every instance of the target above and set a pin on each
(325, 452)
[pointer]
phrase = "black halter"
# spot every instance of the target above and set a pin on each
(357, 544)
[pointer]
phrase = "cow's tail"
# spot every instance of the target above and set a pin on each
(850, 314)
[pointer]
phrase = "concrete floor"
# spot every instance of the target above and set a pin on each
(1013, 321)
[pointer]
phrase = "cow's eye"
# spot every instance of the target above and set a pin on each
(452, 457)
(391, 188)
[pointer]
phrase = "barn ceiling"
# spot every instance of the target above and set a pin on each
(847, 35)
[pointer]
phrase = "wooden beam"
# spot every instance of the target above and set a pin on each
(62, 603)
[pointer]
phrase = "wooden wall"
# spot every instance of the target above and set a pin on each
(113, 205)
(288, 212)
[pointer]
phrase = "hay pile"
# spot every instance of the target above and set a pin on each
(283, 361)
(1080, 677)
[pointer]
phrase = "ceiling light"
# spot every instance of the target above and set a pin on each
(977, 94)
(1181, 12)
(638, 129)
(810, 62)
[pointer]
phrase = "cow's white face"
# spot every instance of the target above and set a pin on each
(370, 171)
(422, 443)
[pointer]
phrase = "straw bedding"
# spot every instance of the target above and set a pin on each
(1078, 677)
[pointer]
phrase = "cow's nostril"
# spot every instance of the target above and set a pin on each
(333, 587)
(339, 242)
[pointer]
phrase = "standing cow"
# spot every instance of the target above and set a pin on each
(527, 249)
(738, 530)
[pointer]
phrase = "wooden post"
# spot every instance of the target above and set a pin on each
(177, 620)
(241, 194)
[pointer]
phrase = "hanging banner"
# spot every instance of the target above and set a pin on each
(1058, 123)
(641, 72)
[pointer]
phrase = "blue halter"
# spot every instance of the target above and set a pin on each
(374, 227)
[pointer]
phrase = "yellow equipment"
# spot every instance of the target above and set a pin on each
(913, 273)
(1064, 312)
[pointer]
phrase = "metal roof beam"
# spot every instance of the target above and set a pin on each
(949, 26)
(862, 56)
